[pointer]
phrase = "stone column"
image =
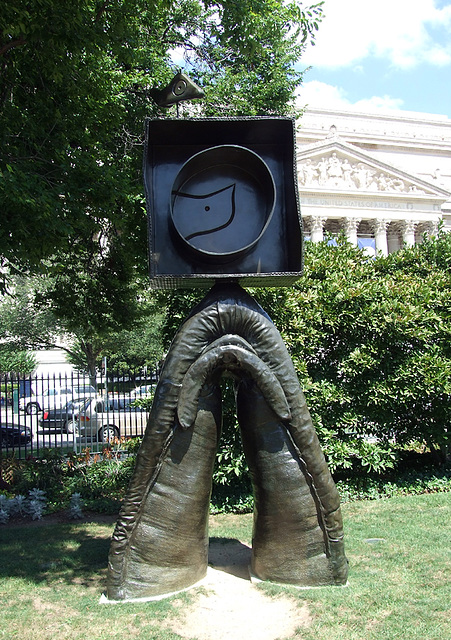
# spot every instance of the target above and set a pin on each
(393, 239)
(350, 226)
(380, 235)
(408, 232)
(425, 230)
(316, 228)
(432, 229)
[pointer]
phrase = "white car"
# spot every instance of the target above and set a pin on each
(102, 420)
(54, 397)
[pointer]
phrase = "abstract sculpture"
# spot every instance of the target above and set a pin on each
(223, 209)
(160, 544)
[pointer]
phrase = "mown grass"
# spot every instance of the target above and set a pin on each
(52, 575)
(400, 574)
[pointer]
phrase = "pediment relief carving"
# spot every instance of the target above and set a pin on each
(333, 170)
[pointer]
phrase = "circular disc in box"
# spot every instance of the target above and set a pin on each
(222, 202)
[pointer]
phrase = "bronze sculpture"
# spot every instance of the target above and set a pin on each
(160, 543)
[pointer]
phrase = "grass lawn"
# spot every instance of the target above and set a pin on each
(52, 575)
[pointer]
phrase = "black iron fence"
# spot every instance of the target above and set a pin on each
(72, 412)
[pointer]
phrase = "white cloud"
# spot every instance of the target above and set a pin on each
(378, 103)
(320, 94)
(407, 32)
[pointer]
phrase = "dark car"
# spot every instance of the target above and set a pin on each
(62, 418)
(14, 435)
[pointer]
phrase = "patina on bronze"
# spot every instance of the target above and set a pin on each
(180, 89)
(223, 210)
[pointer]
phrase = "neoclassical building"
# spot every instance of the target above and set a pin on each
(384, 180)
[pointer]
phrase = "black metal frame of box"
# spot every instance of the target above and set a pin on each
(276, 258)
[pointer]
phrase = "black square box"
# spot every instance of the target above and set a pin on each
(222, 202)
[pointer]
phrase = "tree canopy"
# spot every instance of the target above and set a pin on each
(87, 333)
(75, 89)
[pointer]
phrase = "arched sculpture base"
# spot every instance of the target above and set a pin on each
(160, 543)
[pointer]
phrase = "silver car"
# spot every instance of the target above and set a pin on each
(54, 397)
(103, 420)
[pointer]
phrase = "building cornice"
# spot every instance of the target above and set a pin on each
(398, 130)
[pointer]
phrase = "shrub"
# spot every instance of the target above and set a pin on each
(101, 479)
(370, 340)
(99, 483)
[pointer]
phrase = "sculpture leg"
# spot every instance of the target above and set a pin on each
(289, 543)
(168, 548)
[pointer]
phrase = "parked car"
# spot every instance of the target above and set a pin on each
(14, 435)
(54, 397)
(103, 420)
(64, 419)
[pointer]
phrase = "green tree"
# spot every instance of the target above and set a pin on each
(74, 91)
(85, 334)
(14, 361)
(138, 348)
(75, 85)
(64, 162)
(23, 326)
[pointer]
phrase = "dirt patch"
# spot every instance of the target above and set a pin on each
(57, 610)
(229, 606)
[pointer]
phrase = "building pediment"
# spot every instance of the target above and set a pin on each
(334, 165)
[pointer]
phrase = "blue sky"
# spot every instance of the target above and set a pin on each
(381, 55)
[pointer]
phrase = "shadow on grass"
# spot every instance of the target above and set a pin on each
(78, 553)
(230, 556)
(70, 553)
